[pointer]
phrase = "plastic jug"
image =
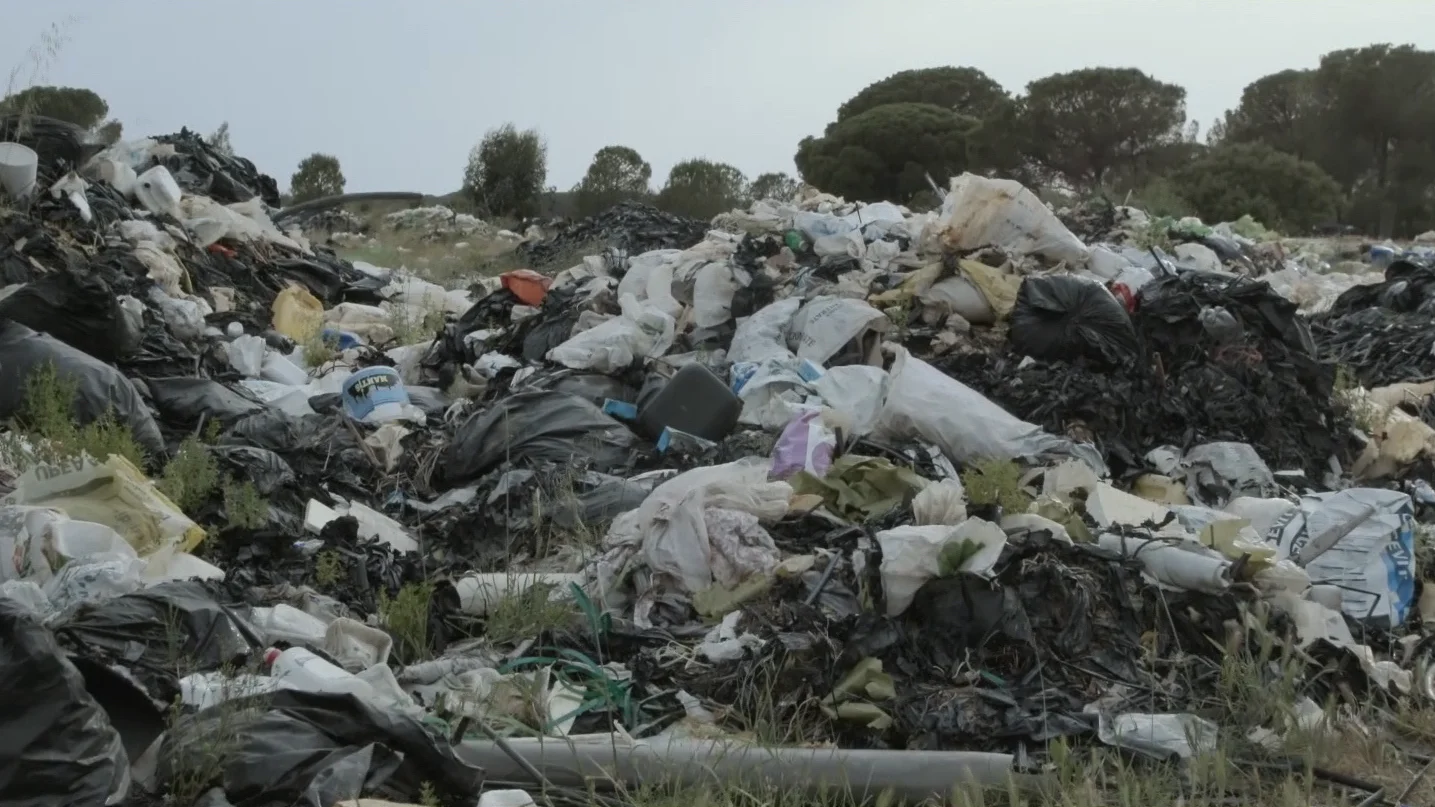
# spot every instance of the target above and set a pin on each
(693, 401)
(297, 313)
(301, 669)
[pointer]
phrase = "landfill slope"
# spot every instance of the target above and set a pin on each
(811, 494)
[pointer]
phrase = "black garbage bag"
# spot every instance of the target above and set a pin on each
(314, 749)
(152, 632)
(269, 428)
(79, 309)
(58, 746)
(185, 400)
(534, 427)
(101, 388)
(594, 387)
(267, 470)
(1063, 317)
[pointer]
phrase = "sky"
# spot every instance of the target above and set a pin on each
(400, 90)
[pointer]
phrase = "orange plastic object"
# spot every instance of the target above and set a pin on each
(527, 285)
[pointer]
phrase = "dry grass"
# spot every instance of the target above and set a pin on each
(440, 261)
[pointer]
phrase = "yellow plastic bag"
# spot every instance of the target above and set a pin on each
(116, 494)
(297, 313)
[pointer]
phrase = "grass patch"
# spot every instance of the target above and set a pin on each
(47, 420)
(244, 506)
(527, 614)
(191, 475)
(406, 617)
(413, 325)
(438, 259)
(996, 482)
(328, 568)
(319, 349)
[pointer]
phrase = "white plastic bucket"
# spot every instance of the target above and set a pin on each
(18, 166)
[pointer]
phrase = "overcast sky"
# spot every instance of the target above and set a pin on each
(400, 90)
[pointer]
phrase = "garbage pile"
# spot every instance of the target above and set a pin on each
(920, 493)
(630, 227)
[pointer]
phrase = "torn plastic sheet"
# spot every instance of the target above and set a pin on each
(1361, 540)
(1159, 736)
(703, 523)
(58, 746)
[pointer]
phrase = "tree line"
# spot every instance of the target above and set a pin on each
(1350, 141)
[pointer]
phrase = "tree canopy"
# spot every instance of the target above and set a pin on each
(1080, 125)
(617, 174)
(76, 105)
(1278, 189)
(702, 189)
(318, 176)
(506, 172)
(965, 90)
(774, 185)
(887, 151)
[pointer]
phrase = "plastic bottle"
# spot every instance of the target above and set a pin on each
(298, 668)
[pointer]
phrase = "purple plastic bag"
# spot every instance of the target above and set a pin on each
(806, 444)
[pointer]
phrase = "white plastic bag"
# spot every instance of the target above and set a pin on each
(825, 325)
(673, 523)
(649, 279)
(941, 503)
(857, 391)
(643, 331)
(36, 541)
(763, 335)
(713, 289)
(911, 556)
(981, 212)
(158, 192)
(924, 402)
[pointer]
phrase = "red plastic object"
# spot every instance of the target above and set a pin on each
(1123, 293)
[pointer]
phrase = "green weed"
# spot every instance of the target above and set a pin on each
(996, 482)
(406, 617)
(527, 614)
(244, 506)
(190, 476)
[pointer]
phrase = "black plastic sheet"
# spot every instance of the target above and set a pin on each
(533, 427)
(315, 750)
(76, 307)
(101, 388)
(58, 746)
(186, 400)
(154, 632)
(1379, 346)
